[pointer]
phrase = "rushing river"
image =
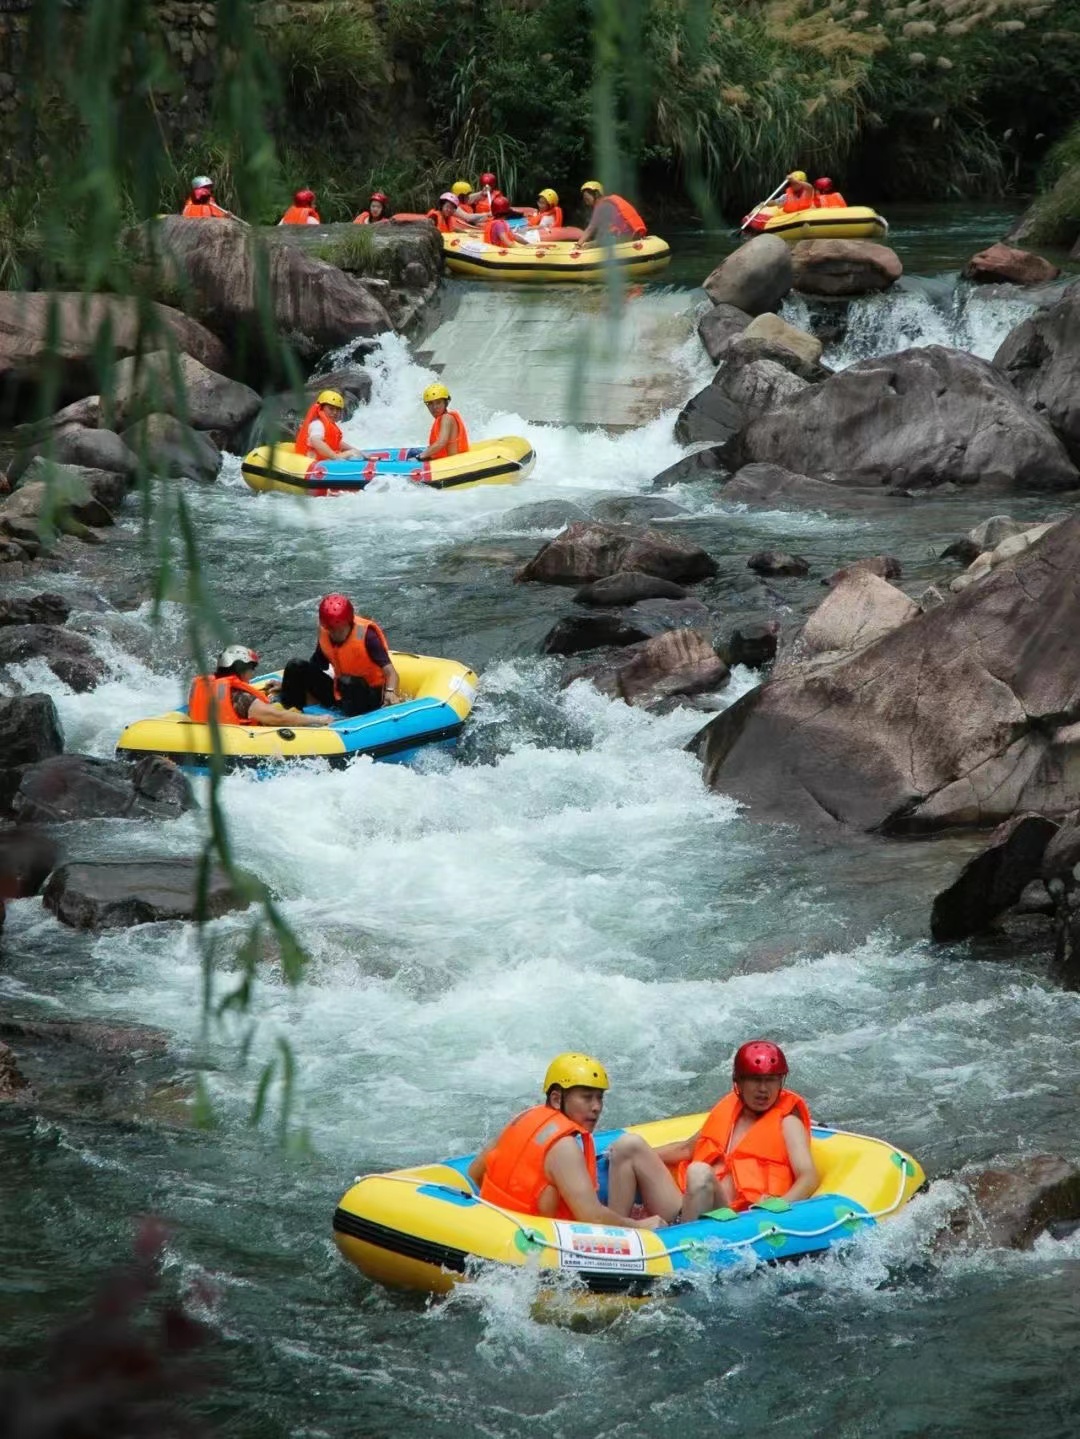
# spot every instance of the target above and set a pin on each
(566, 883)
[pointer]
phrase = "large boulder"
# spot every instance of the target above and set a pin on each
(148, 385)
(27, 858)
(718, 325)
(701, 464)
(1006, 549)
(993, 880)
(766, 486)
(46, 609)
(29, 730)
(92, 495)
(912, 421)
(753, 384)
(592, 551)
(114, 894)
(1041, 358)
(776, 332)
(681, 662)
(626, 588)
(78, 445)
(1009, 1207)
(859, 609)
(173, 450)
(68, 654)
(844, 267)
(217, 264)
(708, 415)
(966, 715)
(64, 333)
(635, 510)
(78, 786)
(755, 278)
(598, 630)
(1014, 267)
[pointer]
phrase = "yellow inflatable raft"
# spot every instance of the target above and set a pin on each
(488, 462)
(555, 263)
(426, 1229)
(855, 222)
(437, 699)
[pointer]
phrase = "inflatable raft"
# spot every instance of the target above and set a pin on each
(440, 698)
(555, 262)
(855, 222)
(425, 1228)
(488, 462)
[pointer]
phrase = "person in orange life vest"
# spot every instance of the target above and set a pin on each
(548, 215)
(544, 1161)
(302, 211)
(463, 190)
(376, 211)
(235, 700)
(612, 218)
(481, 199)
(201, 204)
(350, 670)
(497, 229)
(826, 197)
(755, 1142)
(799, 194)
(450, 217)
(448, 435)
(319, 435)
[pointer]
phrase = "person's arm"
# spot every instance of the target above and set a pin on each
(380, 655)
(797, 1141)
(565, 1167)
(678, 1150)
(276, 718)
(443, 438)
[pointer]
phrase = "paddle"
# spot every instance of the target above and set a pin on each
(758, 208)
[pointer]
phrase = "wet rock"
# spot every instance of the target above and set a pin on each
(1010, 1207)
(859, 610)
(15, 556)
(60, 499)
(592, 551)
(281, 415)
(98, 1035)
(92, 449)
(481, 555)
(1016, 267)
(626, 588)
(635, 509)
(965, 715)
(754, 385)
(755, 278)
(641, 621)
(77, 786)
(915, 420)
(27, 858)
(681, 662)
(12, 1083)
(80, 414)
(1008, 549)
(44, 609)
(964, 550)
(844, 267)
(708, 415)
(1061, 875)
(886, 567)
(353, 381)
(1041, 358)
(776, 562)
(753, 645)
(29, 730)
(544, 515)
(702, 464)
(173, 450)
(1034, 899)
(68, 654)
(115, 894)
(991, 532)
(993, 880)
(719, 325)
(930, 599)
(207, 400)
(779, 334)
(772, 487)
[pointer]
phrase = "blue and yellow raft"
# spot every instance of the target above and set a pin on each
(278, 467)
(426, 1229)
(440, 695)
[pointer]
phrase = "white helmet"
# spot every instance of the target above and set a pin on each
(236, 655)
(202, 182)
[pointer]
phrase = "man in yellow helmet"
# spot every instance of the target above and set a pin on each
(799, 194)
(544, 1161)
(613, 219)
(319, 436)
(448, 433)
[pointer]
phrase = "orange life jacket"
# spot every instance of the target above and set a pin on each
(206, 691)
(490, 235)
(832, 201)
(332, 434)
(208, 211)
(759, 1163)
(626, 220)
(351, 659)
(364, 218)
(545, 219)
(300, 215)
(444, 225)
(483, 205)
(457, 446)
(515, 1178)
(793, 202)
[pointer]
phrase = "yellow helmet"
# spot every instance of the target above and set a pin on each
(593, 185)
(798, 175)
(550, 196)
(331, 397)
(436, 392)
(566, 1070)
(461, 187)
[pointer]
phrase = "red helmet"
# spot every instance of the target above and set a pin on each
(824, 184)
(487, 179)
(336, 610)
(378, 195)
(304, 197)
(500, 205)
(758, 1056)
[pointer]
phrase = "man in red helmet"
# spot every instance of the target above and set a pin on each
(826, 197)
(302, 211)
(754, 1143)
(350, 670)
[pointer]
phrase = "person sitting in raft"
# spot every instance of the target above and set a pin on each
(799, 194)
(481, 199)
(350, 670)
(448, 435)
(201, 204)
(463, 190)
(612, 218)
(302, 211)
(450, 217)
(544, 1161)
(377, 211)
(826, 197)
(319, 436)
(548, 214)
(497, 229)
(229, 693)
(754, 1143)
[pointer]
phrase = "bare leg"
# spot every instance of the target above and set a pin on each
(634, 1166)
(704, 1191)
